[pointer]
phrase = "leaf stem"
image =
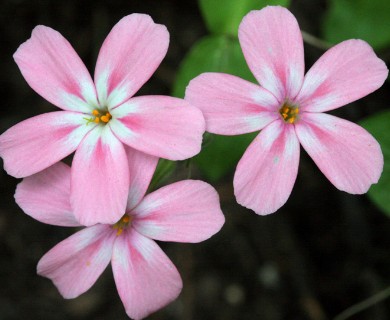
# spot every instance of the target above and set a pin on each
(382, 295)
(315, 42)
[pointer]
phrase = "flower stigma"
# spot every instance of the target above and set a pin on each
(99, 116)
(122, 224)
(289, 112)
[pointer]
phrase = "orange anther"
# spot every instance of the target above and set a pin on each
(95, 112)
(105, 119)
(96, 120)
(126, 219)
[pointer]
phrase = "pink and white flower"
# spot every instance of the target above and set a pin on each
(185, 211)
(99, 116)
(288, 107)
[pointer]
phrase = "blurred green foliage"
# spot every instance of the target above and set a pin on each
(224, 17)
(362, 19)
(220, 52)
(221, 154)
(216, 53)
(379, 126)
(164, 170)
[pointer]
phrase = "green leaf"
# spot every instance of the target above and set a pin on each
(224, 16)
(163, 171)
(362, 19)
(378, 126)
(212, 54)
(221, 154)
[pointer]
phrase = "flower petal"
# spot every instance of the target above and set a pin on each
(100, 179)
(345, 73)
(76, 263)
(185, 211)
(130, 54)
(345, 152)
(162, 126)
(230, 104)
(54, 70)
(266, 173)
(273, 48)
(36, 143)
(141, 170)
(45, 196)
(145, 277)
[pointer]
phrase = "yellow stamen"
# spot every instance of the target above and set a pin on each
(122, 224)
(289, 112)
(105, 119)
(99, 117)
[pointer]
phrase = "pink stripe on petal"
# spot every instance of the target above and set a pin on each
(100, 178)
(45, 196)
(345, 152)
(273, 48)
(162, 126)
(266, 173)
(185, 211)
(54, 70)
(76, 263)
(345, 73)
(128, 57)
(230, 104)
(145, 277)
(36, 143)
(141, 170)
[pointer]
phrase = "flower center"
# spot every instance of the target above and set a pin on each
(122, 224)
(289, 112)
(99, 116)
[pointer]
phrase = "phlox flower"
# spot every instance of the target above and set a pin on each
(99, 117)
(185, 211)
(288, 108)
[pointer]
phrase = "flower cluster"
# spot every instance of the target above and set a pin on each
(117, 140)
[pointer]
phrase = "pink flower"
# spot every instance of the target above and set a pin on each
(185, 211)
(288, 109)
(99, 116)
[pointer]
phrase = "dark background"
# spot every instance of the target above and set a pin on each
(322, 252)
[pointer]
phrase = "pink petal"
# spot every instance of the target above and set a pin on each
(76, 263)
(185, 211)
(273, 48)
(54, 70)
(162, 126)
(45, 196)
(130, 54)
(37, 143)
(100, 179)
(145, 277)
(345, 73)
(230, 104)
(345, 153)
(141, 170)
(267, 171)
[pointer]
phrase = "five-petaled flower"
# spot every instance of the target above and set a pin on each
(99, 116)
(288, 108)
(185, 211)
